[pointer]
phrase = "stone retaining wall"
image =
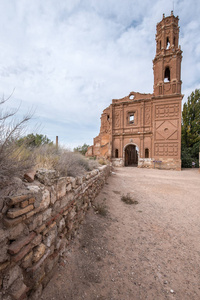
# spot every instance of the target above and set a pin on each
(37, 226)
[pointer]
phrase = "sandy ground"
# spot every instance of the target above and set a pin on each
(150, 250)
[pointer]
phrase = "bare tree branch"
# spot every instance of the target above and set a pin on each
(13, 158)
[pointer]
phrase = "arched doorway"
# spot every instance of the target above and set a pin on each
(131, 156)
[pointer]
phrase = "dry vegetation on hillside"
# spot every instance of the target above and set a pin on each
(67, 163)
(16, 158)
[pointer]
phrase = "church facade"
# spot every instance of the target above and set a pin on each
(145, 129)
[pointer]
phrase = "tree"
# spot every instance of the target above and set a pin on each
(34, 140)
(190, 134)
(81, 149)
(13, 160)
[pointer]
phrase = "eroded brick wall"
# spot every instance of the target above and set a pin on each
(37, 226)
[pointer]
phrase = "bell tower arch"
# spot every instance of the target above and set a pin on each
(167, 61)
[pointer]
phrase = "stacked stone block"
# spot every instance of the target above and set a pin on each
(37, 226)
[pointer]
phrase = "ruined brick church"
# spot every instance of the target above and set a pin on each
(145, 129)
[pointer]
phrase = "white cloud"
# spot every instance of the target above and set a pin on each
(68, 59)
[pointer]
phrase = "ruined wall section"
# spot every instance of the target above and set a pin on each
(102, 143)
(37, 226)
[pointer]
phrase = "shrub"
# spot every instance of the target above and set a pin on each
(71, 164)
(128, 200)
(14, 159)
(46, 156)
(101, 209)
(34, 140)
(18, 153)
(67, 163)
(81, 149)
(93, 164)
(101, 161)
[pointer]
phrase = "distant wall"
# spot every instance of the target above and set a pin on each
(37, 225)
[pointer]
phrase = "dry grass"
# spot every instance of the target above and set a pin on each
(102, 161)
(128, 200)
(101, 209)
(16, 159)
(67, 163)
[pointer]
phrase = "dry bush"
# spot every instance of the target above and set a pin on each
(128, 200)
(67, 163)
(14, 160)
(46, 156)
(93, 164)
(101, 161)
(101, 209)
(71, 164)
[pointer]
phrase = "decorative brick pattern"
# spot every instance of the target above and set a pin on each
(166, 150)
(148, 115)
(117, 119)
(167, 111)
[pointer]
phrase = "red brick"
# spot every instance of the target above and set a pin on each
(4, 265)
(41, 228)
(37, 265)
(15, 247)
(17, 199)
(30, 214)
(30, 176)
(37, 240)
(31, 200)
(14, 212)
(50, 221)
(12, 222)
(22, 253)
(24, 204)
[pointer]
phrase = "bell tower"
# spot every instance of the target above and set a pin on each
(167, 61)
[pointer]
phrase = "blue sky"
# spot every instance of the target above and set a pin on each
(68, 59)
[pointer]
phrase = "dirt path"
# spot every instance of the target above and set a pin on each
(150, 250)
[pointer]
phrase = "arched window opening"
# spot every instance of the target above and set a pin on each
(167, 43)
(167, 75)
(116, 153)
(174, 41)
(160, 45)
(108, 117)
(146, 153)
